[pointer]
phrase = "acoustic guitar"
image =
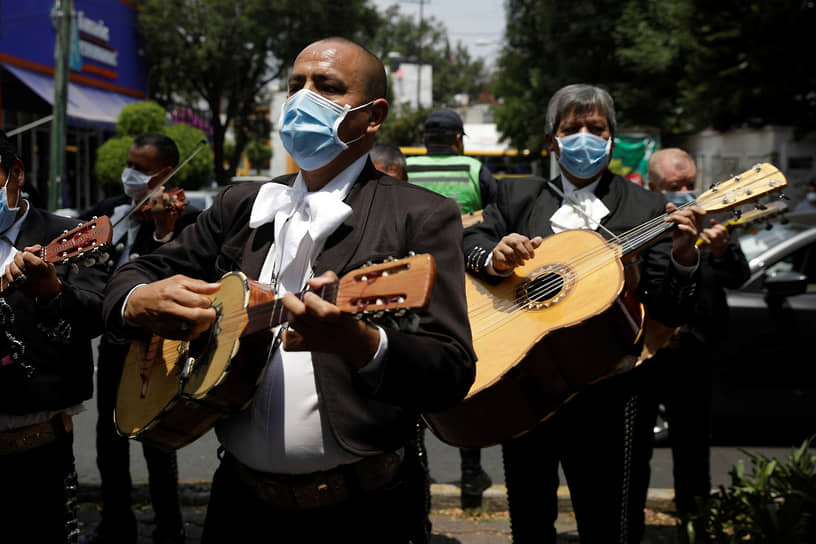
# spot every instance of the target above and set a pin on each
(80, 241)
(172, 392)
(562, 322)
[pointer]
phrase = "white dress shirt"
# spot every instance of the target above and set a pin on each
(284, 430)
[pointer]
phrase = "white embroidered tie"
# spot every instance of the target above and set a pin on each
(567, 217)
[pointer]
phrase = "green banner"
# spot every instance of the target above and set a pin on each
(630, 156)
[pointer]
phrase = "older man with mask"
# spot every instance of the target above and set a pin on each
(317, 454)
(598, 437)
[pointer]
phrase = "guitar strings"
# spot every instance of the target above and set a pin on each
(632, 239)
(636, 236)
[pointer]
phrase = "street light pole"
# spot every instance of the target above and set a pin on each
(62, 13)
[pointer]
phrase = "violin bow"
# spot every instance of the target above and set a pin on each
(198, 147)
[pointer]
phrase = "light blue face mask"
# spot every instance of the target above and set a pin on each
(309, 126)
(7, 215)
(679, 198)
(583, 155)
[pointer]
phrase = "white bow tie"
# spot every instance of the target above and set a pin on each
(567, 217)
(320, 211)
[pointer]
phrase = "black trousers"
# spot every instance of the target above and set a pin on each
(113, 456)
(234, 514)
(38, 501)
(603, 444)
(681, 378)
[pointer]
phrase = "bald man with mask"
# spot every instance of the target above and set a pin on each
(317, 455)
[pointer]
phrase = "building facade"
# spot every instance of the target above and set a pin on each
(108, 71)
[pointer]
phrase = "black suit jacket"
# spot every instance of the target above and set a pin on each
(525, 206)
(428, 369)
(144, 242)
(55, 369)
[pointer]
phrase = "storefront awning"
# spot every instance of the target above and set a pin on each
(86, 106)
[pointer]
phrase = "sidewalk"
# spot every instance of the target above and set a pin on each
(450, 524)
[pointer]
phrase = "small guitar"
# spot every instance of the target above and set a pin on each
(568, 309)
(70, 245)
(171, 392)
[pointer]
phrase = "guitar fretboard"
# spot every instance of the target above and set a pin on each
(271, 314)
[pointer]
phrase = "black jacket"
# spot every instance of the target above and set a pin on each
(51, 367)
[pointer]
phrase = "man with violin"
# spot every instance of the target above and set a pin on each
(138, 230)
(597, 436)
(317, 455)
(50, 309)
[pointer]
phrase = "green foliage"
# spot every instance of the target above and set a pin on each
(198, 171)
(454, 71)
(680, 65)
(110, 160)
(775, 504)
(403, 127)
(258, 154)
(141, 118)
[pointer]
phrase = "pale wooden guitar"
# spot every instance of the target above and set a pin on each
(561, 322)
(172, 392)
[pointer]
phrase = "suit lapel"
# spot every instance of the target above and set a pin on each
(343, 243)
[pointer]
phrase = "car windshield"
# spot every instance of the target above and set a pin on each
(754, 243)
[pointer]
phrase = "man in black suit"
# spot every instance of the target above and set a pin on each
(149, 160)
(48, 315)
(680, 374)
(597, 437)
(317, 454)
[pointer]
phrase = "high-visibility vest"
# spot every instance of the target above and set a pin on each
(454, 176)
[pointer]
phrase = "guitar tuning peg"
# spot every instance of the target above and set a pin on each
(713, 187)
(783, 196)
(737, 213)
(412, 253)
(74, 268)
(88, 262)
(104, 256)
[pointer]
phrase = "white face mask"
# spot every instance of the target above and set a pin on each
(811, 196)
(135, 183)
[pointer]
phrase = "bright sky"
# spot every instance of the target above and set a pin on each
(478, 24)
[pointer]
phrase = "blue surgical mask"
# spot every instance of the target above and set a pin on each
(309, 126)
(583, 155)
(679, 198)
(7, 214)
(135, 183)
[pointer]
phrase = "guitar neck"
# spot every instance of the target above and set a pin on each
(267, 315)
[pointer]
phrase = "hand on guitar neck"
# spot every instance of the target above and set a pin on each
(175, 307)
(716, 238)
(32, 275)
(688, 221)
(316, 324)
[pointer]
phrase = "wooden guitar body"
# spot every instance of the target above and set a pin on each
(168, 398)
(542, 336)
(171, 392)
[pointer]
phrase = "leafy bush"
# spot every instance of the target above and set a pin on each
(140, 118)
(110, 160)
(198, 171)
(775, 504)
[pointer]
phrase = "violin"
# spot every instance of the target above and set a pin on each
(175, 206)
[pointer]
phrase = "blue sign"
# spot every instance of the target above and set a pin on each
(107, 41)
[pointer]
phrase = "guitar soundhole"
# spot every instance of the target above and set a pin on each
(545, 287)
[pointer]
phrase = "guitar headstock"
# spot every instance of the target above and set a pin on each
(89, 236)
(394, 285)
(760, 180)
(760, 213)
